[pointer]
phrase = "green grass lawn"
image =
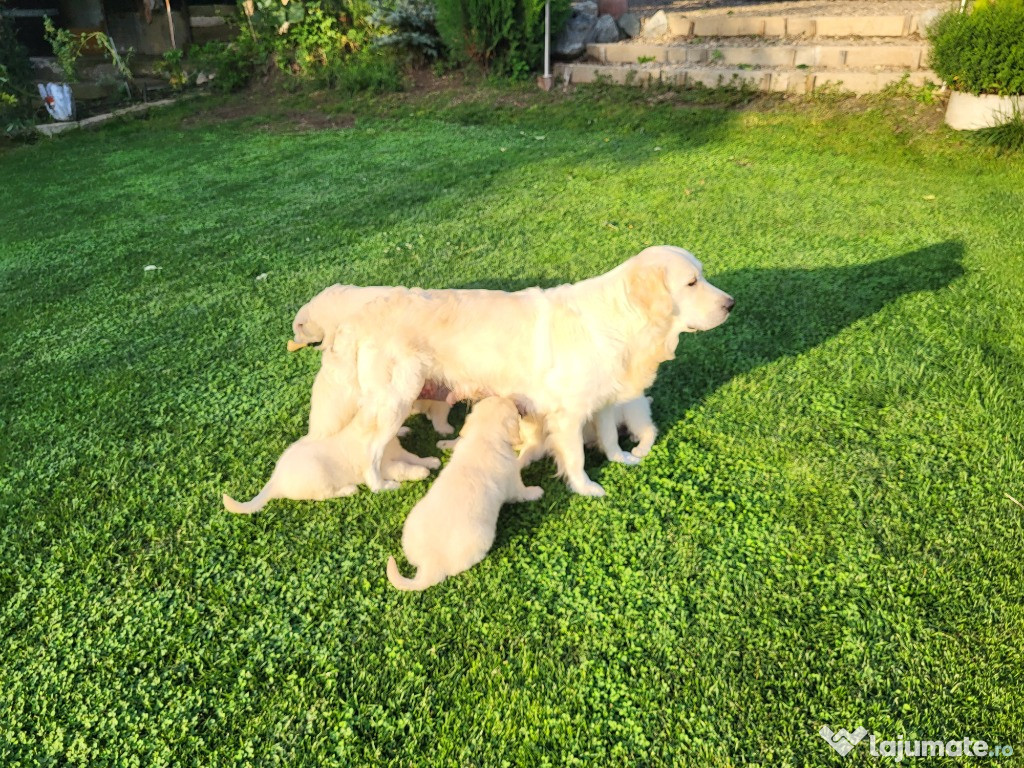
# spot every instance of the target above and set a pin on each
(821, 535)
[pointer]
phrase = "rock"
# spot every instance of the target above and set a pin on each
(629, 23)
(579, 30)
(606, 30)
(656, 25)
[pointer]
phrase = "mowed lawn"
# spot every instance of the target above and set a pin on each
(821, 535)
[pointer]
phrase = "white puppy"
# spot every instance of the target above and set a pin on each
(602, 431)
(453, 526)
(315, 469)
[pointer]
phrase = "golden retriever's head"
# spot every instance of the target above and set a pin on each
(666, 273)
(496, 413)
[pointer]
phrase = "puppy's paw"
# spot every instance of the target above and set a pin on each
(532, 493)
(348, 490)
(641, 450)
(624, 458)
(589, 488)
(431, 462)
(447, 445)
(403, 431)
(388, 485)
(444, 429)
(417, 473)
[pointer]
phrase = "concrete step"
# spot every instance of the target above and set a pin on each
(792, 24)
(775, 80)
(853, 53)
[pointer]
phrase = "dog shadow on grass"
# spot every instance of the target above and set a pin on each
(780, 312)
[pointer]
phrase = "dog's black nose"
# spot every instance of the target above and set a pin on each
(729, 304)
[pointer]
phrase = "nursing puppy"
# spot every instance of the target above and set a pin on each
(313, 469)
(602, 431)
(453, 526)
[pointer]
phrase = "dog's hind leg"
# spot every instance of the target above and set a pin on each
(608, 437)
(390, 380)
(637, 415)
(565, 433)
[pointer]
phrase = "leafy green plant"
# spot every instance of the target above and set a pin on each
(981, 52)
(68, 47)
(172, 66)
(498, 34)
(231, 65)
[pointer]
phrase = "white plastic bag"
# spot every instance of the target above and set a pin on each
(59, 100)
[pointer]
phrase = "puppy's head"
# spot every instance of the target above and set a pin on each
(496, 413)
(697, 305)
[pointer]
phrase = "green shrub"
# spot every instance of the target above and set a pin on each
(407, 26)
(364, 71)
(981, 52)
(506, 36)
(232, 64)
(17, 97)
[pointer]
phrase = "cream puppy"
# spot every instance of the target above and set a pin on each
(453, 526)
(602, 431)
(313, 469)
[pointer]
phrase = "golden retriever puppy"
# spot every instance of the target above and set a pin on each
(601, 431)
(313, 469)
(570, 350)
(452, 528)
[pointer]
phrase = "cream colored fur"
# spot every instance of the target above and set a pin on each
(452, 528)
(313, 469)
(570, 350)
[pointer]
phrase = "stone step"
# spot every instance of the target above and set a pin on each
(775, 80)
(682, 24)
(832, 55)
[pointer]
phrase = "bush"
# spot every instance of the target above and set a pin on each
(982, 52)
(506, 36)
(232, 64)
(17, 97)
(408, 26)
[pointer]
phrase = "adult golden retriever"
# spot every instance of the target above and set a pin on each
(566, 351)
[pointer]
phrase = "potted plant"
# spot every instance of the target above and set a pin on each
(980, 56)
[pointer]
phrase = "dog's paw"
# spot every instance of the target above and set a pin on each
(624, 458)
(388, 485)
(444, 429)
(532, 493)
(348, 490)
(589, 488)
(417, 473)
(447, 445)
(403, 431)
(431, 462)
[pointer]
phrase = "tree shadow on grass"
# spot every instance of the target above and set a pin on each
(780, 312)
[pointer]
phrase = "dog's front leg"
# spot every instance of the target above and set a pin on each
(519, 492)
(566, 434)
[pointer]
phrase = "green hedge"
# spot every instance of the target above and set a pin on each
(506, 36)
(981, 52)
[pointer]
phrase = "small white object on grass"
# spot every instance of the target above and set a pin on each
(150, 268)
(262, 276)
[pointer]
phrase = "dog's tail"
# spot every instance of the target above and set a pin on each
(255, 504)
(423, 578)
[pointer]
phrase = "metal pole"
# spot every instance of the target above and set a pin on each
(545, 81)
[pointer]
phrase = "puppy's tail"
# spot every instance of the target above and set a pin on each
(255, 504)
(421, 580)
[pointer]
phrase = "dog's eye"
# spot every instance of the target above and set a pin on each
(692, 282)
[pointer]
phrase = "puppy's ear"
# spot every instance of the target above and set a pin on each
(647, 288)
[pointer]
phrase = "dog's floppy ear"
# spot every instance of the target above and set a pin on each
(647, 288)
